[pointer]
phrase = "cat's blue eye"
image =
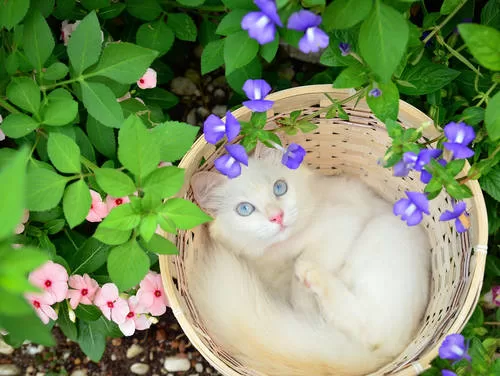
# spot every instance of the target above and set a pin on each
(280, 188)
(245, 209)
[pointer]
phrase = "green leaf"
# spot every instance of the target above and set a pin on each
(38, 41)
(382, 40)
(59, 110)
(88, 312)
(164, 182)
(206, 33)
(237, 78)
(124, 62)
(76, 202)
(138, 150)
(122, 218)
(67, 326)
(89, 257)
(127, 265)
(44, 189)
(174, 139)
(32, 328)
(239, 50)
(449, 6)
(386, 106)
(212, 56)
(56, 71)
(191, 3)
(491, 183)
(84, 46)
(156, 36)
(102, 137)
(64, 153)
(112, 236)
(146, 10)
(343, 14)
(114, 182)
(184, 214)
(268, 51)
(160, 97)
(426, 78)
(112, 11)
(13, 177)
(239, 4)
(472, 115)
(158, 244)
(351, 77)
(148, 226)
(484, 44)
(490, 15)
(183, 26)
(91, 339)
(12, 12)
(18, 125)
(101, 104)
(231, 22)
(94, 4)
(24, 93)
(492, 117)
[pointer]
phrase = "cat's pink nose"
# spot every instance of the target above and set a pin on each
(277, 218)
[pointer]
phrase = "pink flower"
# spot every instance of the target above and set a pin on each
(42, 305)
(148, 80)
(82, 290)
(2, 135)
(20, 227)
(492, 297)
(98, 209)
(151, 294)
(135, 320)
(163, 164)
(52, 278)
(67, 29)
(109, 302)
(112, 202)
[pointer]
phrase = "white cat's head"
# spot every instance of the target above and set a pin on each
(263, 206)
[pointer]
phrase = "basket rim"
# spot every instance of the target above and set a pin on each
(480, 248)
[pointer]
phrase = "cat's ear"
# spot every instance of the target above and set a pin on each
(267, 153)
(204, 184)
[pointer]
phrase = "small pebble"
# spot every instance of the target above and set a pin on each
(113, 357)
(5, 348)
(198, 367)
(183, 86)
(30, 370)
(116, 341)
(9, 370)
(219, 110)
(40, 374)
(77, 361)
(139, 368)
(219, 95)
(133, 351)
(79, 372)
(66, 355)
(176, 364)
(34, 349)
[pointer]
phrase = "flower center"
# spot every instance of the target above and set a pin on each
(91, 206)
(460, 136)
(457, 350)
(262, 22)
(257, 94)
(85, 292)
(48, 283)
(410, 210)
(110, 304)
(130, 315)
(310, 34)
(220, 128)
(36, 304)
(141, 80)
(119, 201)
(230, 162)
(157, 293)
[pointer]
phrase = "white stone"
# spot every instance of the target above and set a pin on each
(34, 349)
(175, 364)
(198, 367)
(183, 86)
(79, 372)
(113, 357)
(139, 368)
(134, 350)
(9, 370)
(5, 348)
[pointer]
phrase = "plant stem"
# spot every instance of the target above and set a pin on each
(8, 106)
(326, 109)
(487, 94)
(87, 163)
(57, 84)
(459, 56)
(207, 8)
(445, 21)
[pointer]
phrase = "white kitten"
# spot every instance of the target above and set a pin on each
(307, 275)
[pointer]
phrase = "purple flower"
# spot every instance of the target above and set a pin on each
(413, 161)
(446, 372)
(375, 92)
(411, 208)
(261, 25)
(293, 156)
(229, 164)
(345, 48)
(214, 128)
(459, 135)
(314, 38)
(458, 214)
(256, 90)
(426, 176)
(454, 348)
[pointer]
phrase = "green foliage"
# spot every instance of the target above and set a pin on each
(127, 265)
(84, 47)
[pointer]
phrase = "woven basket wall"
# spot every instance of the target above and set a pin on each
(353, 147)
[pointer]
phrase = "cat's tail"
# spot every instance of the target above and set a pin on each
(265, 334)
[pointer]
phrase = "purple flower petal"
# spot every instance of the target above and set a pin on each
(459, 151)
(345, 48)
(446, 372)
(401, 169)
(238, 152)
(259, 106)
(256, 89)
(228, 166)
(459, 133)
(313, 40)
(213, 129)
(453, 348)
(268, 7)
(460, 226)
(411, 209)
(425, 176)
(302, 20)
(414, 219)
(420, 200)
(400, 206)
(233, 126)
(293, 156)
(259, 26)
(458, 209)
(375, 92)
(425, 156)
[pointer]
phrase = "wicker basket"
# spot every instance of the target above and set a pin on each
(352, 146)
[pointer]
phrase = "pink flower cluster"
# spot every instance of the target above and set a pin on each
(130, 313)
(99, 209)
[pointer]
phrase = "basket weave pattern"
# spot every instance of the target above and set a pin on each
(354, 147)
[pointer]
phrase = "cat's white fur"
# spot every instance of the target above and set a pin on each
(339, 291)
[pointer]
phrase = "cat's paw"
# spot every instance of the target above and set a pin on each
(310, 276)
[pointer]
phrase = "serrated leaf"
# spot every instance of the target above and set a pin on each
(44, 189)
(491, 183)
(426, 78)
(12, 12)
(122, 217)
(385, 106)
(156, 36)
(148, 226)
(89, 257)
(164, 182)
(38, 41)
(239, 50)
(24, 93)
(483, 43)
(112, 236)
(127, 265)
(64, 153)
(59, 110)
(184, 214)
(56, 71)
(114, 182)
(183, 26)
(343, 14)
(159, 244)
(146, 10)
(174, 139)
(102, 137)
(492, 117)
(351, 77)
(212, 56)
(84, 46)
(101, 104)
(76, 203)
(268, 51)
(231, 22)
